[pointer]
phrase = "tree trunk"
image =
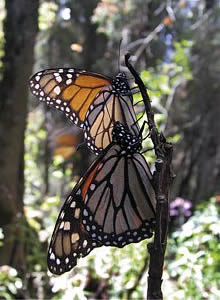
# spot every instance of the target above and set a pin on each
(20, 29)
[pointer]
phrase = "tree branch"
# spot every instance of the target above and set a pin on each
(162, 180)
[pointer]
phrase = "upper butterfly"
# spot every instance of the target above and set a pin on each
(92, 101)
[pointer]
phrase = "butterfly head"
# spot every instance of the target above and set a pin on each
(121, 75)
(120, 85)
(122, 136)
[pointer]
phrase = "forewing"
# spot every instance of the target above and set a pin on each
(71, 91)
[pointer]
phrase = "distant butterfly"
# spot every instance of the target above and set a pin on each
(113, 204)
(91, 100)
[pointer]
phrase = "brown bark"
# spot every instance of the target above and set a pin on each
(20, 28)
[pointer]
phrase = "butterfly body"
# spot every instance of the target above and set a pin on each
(90, 100)
(112, 205)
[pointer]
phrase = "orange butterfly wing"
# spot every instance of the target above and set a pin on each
(71, 91)
(90, 100)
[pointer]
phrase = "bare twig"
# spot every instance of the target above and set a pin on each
(147, 40)
(162, 180)
(169, 102)
(201, 20)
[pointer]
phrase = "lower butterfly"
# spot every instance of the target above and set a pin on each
(90, 100)
(113, 204)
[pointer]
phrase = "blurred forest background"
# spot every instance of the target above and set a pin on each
(175, 45)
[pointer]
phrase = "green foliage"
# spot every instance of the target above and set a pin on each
(181, 57)
(10, 283)
(162, 81)
(196, 250)
(116, 269)
(108, 15)
(34, 141)
(47, 15)
(193, 262)
(113, 16)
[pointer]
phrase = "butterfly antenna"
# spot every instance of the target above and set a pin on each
(119, 54)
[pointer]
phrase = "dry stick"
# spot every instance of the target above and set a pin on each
(162, 180)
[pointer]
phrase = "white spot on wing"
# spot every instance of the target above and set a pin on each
(85, 243)
(58, 78)
(62, 224)
(66, 226)
(62, 215)
(92, 186)
(77, 213)
(73, 204)
(85, 213)
(74, 237)
(57, 90)
(52, 256)
(69, 81)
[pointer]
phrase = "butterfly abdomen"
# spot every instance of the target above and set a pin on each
(123, 137)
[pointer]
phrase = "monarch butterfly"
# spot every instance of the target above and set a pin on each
(90, 100)
(112, 205)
